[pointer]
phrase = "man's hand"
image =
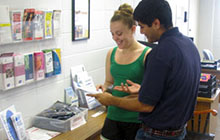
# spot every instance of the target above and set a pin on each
(132, 89)
(103, 98)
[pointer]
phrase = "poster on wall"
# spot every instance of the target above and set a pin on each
(80, 19)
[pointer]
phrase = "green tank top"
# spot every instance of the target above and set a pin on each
(120, 73)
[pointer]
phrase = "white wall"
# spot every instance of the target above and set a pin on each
(209, 29)
(193, 20)
(181, 7)
(33, 98)
(216, 33)
(206, 25)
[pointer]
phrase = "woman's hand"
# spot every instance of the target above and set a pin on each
(100, 87)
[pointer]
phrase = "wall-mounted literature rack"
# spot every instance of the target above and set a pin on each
(26, 42)
(28, 25)
(19, 69)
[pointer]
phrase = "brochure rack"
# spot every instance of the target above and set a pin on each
(28, 25)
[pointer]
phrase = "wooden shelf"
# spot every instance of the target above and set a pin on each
(204, 99)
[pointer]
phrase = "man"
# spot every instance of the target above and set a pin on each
(168, 92)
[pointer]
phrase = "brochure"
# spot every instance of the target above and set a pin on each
(16, 25)
(7, 123)
(56, 22)
(48, 24)
(38, 25)
(5, 25)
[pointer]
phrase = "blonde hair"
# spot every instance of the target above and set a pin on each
(124, 14)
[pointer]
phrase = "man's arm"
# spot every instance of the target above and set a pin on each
(132, 104)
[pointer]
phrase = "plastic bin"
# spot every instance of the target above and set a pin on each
(61, 125)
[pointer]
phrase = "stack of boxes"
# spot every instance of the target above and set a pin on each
(208, 85)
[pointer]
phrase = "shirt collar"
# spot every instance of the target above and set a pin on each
(170, 32)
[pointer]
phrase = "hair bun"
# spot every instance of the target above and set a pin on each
(124, 14)
(126, 8)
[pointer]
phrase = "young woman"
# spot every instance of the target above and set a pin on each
(126, 61)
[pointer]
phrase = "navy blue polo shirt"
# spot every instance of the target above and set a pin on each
(171, 81)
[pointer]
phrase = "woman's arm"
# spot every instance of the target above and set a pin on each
(108, 77)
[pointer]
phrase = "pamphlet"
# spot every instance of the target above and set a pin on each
(16, 25)
(71, 97)
(29, 67)
(56, 22)
(39, 65)
(28, 24)
(41, 134)
(19, 70)
(38, 25)
(48, 57)
(18, 124)
(5, 25)
(6, 71)
(56, 61)
(48, 32)
(7, 123)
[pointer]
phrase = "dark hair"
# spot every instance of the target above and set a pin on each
(124, 14)
(149, 10)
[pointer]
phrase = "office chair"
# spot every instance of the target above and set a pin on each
(207, 55)
(199, 125)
